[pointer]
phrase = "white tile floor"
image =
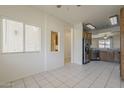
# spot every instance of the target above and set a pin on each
(91, 75)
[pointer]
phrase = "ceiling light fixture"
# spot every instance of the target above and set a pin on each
(78, 5)
(105, 36)
(90, 26)
(59, 6)
(114, 20)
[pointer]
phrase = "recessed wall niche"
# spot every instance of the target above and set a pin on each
(54, 41)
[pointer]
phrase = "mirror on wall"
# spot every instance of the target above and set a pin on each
(54, 41)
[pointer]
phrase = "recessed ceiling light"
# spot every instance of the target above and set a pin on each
(90, 26)
(114, 20)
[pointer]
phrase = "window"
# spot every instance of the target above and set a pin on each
(12, 36)
(18, 37)
(32, 38)
(104, 43)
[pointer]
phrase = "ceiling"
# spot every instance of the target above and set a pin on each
(98, 15)
(108, 32)
(102, 34)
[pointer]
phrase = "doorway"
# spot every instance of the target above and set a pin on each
(67, 45)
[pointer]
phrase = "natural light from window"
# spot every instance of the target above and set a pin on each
(32, 38)
(12, 36)
(104, 43)
(18, 37)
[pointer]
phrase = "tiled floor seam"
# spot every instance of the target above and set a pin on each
(58, 80)
(84, 77)
(24, 83)
(75, 75)
(109, 76)
(97, 77)
(36, 82)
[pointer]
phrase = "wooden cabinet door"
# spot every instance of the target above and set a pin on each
(122, 43)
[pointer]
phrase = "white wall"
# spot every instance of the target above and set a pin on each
(116, 41)
(54, 59)
(18, 65)
(77, 52)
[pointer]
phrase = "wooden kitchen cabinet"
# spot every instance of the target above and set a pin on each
(88, 36)
(107, 56)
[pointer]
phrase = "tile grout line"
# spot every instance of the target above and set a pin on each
(119, 76)
(24, 83)
(48, 81)
(109, 77)
(36, 82)
(88, 69)
(98, 76)
(11, 84)
(59, 80)
(85, 76)
(62, 81)
(109, 69)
